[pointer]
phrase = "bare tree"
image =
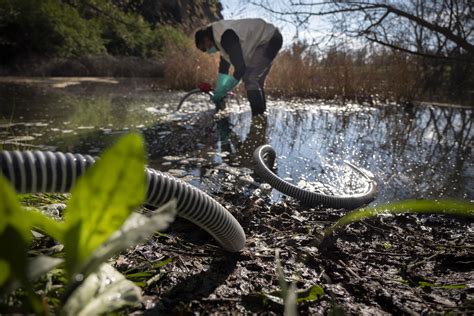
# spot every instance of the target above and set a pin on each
(430, 28)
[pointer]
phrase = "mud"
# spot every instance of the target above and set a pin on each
(406, 264)
(392, 264)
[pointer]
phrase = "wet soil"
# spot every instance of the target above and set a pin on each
(388, 265)
(405, 264)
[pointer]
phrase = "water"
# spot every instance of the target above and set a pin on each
(414, 152)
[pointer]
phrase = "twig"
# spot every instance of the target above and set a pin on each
(355, 275)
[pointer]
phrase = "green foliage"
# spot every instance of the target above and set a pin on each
(310, 294)
(97, 226)
(446, 207)
(72, 35)
(54, 28)
(15, 235)
(135, 230)
(46, 225)
(103, 198)
(172, 38)
(48, 27)
(102, 292)
(125, 33)
(15, 238)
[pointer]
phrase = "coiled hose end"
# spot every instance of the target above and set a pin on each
(264, 157)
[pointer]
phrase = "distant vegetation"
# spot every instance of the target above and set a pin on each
(369, 73)
(113, 38)
(70, 28)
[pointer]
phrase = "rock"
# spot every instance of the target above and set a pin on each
(54, 210)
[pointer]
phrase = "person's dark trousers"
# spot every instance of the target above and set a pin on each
(257, 71)
(257, 101)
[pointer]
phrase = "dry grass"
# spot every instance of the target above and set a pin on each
(300, 71)
(186, 66)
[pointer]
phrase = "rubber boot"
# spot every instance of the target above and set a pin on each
(257, 102)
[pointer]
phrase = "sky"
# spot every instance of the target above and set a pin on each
(315, 30)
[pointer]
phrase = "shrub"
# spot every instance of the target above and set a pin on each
(185, 65)
(48, 28)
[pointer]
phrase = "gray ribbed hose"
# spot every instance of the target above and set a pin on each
(264, 157)
(37, 171)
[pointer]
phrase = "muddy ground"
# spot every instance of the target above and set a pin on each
(406, 264)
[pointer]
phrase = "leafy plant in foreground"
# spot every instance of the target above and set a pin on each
(99, 223)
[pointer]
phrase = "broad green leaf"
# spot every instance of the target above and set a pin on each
(102, 292)
(103, 198)
(11, 212)
(4, 272)
(135, 230)
(447, 207)
(47, 225)
(15, 235)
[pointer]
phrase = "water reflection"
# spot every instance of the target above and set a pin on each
(415, 152)
(422, 152)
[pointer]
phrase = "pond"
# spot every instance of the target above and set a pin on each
(414, 151)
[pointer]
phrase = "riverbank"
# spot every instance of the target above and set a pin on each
(85, 66)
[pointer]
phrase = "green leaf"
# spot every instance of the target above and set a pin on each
(11, 212)
(442, 286)
(446, 207)
(103, 198)
(15, 235)
(311, 294)
(102, 292)
(139, 275)
(4, 272)
(161, 263)
(136, 230)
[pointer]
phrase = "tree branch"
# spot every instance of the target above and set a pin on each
(417, 53)
(462, 42)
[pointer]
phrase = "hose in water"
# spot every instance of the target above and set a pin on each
(264, 157)
(37, 171)
(187, 95)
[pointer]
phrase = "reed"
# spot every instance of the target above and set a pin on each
(185, 65)
(301, 71)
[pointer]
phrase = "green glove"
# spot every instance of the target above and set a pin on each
(224, 84)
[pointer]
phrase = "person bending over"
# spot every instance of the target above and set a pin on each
(250, 45)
